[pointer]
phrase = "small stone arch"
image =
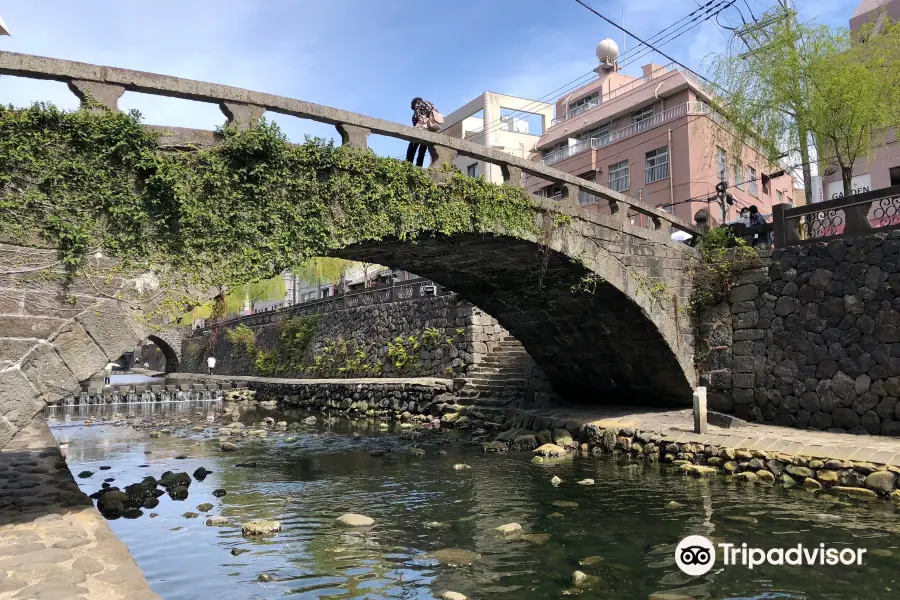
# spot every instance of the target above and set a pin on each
(173, 357)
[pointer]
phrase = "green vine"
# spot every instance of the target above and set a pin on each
(721, 256)
(242, 336)
(253, 206)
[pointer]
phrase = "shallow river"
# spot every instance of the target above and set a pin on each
(422, 505)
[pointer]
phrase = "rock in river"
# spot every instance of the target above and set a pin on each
(456, 557)
(461, 467)
(509, 529)
(555, 481)
(586, 482)
(190, 515)
(354, 520)
(217, 521)
(229, 447)
(447, 595)
(201, 473)
(205, 507)
(578, 577)
(551, 450)
(219, 493)
(260, 527)
(565, 504)
(85, 474)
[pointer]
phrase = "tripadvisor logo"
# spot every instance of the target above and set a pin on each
(695, 555)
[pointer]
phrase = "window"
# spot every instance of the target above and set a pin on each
(738, 175)
(779, 197)
(641, 118)
(583, 104)
(472, 170)
(598, 133)
(326, 292)
(751, 179)
(657, 167)
(619, 180)
(895, 176)
(721, 165)
(790, 202)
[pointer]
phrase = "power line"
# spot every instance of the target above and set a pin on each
(637, 50)
(581, 2)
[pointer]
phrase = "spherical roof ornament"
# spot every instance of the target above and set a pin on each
(607, 51)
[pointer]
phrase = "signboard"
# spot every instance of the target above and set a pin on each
(858, 185)
(817, 194)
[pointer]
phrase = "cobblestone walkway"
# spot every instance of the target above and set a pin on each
(53, 542)
(677, 426)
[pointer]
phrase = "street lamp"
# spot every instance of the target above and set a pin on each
(3, 29)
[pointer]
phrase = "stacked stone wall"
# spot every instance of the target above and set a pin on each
(811, 339)
(473, 334)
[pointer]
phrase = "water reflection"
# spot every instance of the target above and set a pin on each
(621, 530)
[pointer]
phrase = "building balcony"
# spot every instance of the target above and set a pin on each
(671, 114)
(628, 87)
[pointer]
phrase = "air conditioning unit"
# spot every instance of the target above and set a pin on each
(428, 290)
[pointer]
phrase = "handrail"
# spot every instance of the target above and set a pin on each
(395, 291)
(859, 214)
(244, 106)
(627, 87)
(676, 112)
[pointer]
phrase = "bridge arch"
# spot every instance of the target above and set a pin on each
(597, 302)
(598, 307)
(165, 342)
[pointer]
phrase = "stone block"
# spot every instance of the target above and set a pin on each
(79, 352)
(112, 326)
(49, 374)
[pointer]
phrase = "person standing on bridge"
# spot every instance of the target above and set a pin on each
(211, 364)
(423, 117)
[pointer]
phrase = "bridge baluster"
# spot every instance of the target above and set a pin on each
(244, 116)
(616, 211)
(105, 94)
(512, 175)
(440, 156)
(570, 193)
(353, 135)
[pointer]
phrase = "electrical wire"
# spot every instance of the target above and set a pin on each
(629, 55)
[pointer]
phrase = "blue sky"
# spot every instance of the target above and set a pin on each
(367, 56)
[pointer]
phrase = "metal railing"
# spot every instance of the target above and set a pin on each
(860, 214)
(676, 112)
(631, 85)
(383, 294)
(583, 108)
(656, 172)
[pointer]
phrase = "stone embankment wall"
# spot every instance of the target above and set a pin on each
(466, 336)
(413, 401)
(812, 339)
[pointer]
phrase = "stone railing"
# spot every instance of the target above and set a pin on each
(382, 294)
(860, 214)
(243, 108)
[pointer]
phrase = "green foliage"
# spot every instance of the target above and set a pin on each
(249, 208)
(721, 254)
(854, 94)
(403, 353)
(289, 353)
(322, 270)
(345, 357)
(242, 336)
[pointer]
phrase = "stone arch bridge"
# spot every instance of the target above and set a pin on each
(601, 310)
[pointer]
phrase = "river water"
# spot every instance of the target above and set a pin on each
(422, 505)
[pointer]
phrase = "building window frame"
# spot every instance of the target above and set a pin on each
(722, 164)
(656, 165)
(779, 197)
(752, 183)
(619, 177)
(894, 174)
(738, 170)
(472, 170)
(641, 118)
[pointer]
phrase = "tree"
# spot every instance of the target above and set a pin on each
(854, 94)
(761, 87)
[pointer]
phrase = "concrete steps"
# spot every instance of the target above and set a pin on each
(497, 383)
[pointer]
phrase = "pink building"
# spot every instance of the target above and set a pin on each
(655, 138)
(882, 169)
